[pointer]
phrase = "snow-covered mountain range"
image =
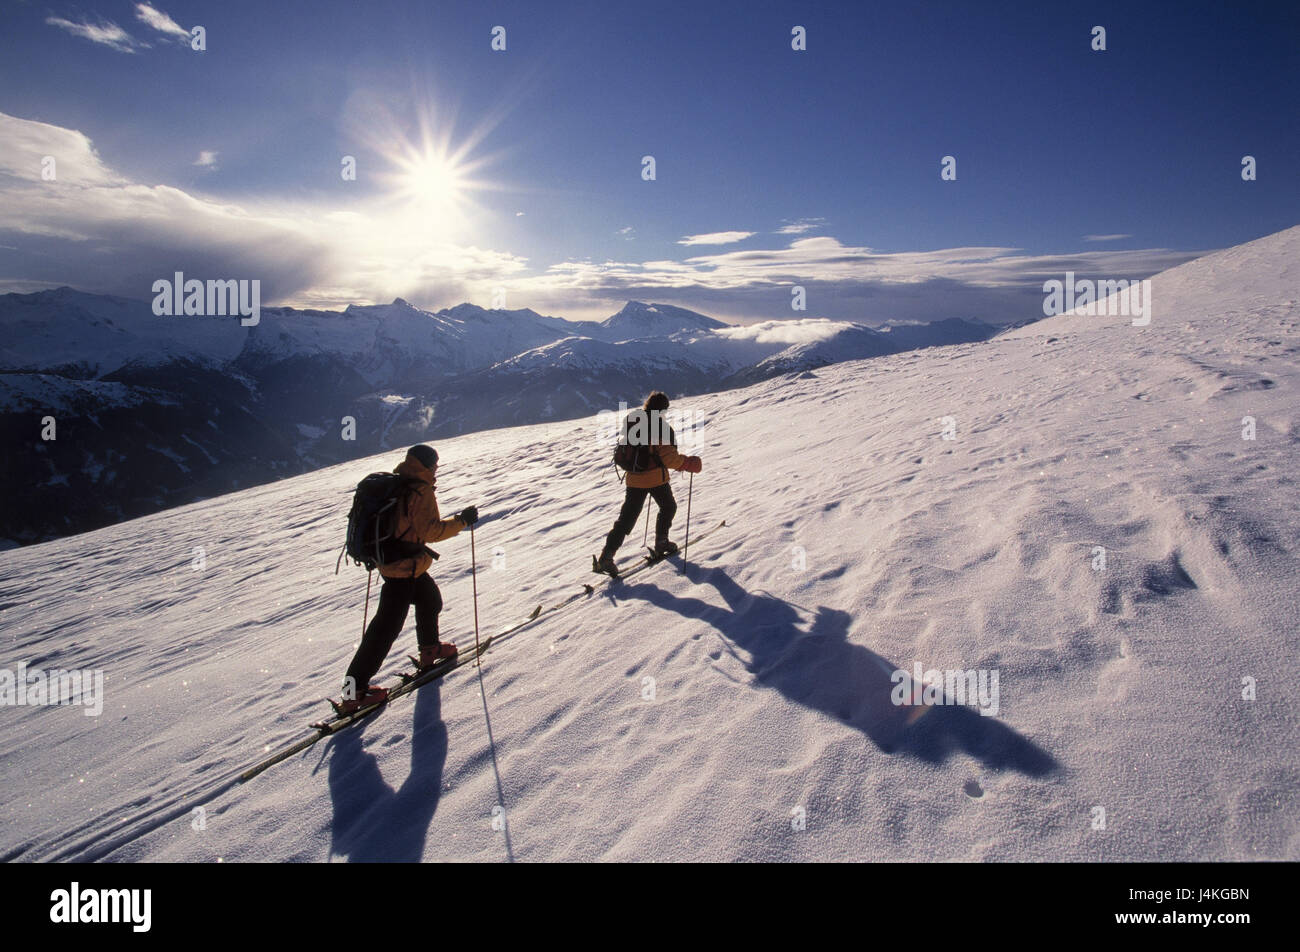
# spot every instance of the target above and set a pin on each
(155, 411)
(1103, 514)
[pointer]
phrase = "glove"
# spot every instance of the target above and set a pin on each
(469, 516)
(692, 465)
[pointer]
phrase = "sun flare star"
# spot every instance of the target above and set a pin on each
(431, 179)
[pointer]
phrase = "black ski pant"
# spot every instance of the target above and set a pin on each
(631, 511)
(395, 599)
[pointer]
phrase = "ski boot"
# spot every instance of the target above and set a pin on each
(664, 548)
(604, 565)
(372, 695)
(431, 655)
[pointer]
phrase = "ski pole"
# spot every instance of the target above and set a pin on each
(690, 491)
(482, 693)
(365, 612)
(473, 572)
(645, 536)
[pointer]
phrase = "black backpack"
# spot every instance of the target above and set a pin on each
(371, 522)
(632, 459)
(637, 458)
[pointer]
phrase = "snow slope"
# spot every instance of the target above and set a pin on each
(863, 541)
(829, 342)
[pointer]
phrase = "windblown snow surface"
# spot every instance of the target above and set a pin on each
(861, 541)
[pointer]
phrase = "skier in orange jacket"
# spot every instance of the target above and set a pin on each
(651, 448)
(407, 581)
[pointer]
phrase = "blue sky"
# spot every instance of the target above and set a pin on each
(521, 169)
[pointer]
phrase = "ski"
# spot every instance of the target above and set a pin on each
(413, 682)
(434, 670)
(409, 683)
(589, 589)
(654, 558)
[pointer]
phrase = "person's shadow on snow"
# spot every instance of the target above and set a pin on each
(372, 822)
(821, 669)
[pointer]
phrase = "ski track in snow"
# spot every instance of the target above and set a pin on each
(1120, 688)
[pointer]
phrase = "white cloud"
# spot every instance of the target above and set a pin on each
(786, 332)
(25, 143)
(842, 282)
(628, 232)
(155, 18)
(1105, 237)
(95, 230)
(801, 226)
(716, 238)
(105, 33)
(824, 258)
(206, 160)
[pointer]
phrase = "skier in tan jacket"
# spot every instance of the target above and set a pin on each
(407, 581)
(649, 450)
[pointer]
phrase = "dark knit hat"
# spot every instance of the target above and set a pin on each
(426, 456)
(657, 401)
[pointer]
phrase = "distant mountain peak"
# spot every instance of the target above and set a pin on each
(399, 306)
(467, 310)
(639, 319)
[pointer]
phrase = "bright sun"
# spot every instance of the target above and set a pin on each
(432, 180)
(428, 178)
